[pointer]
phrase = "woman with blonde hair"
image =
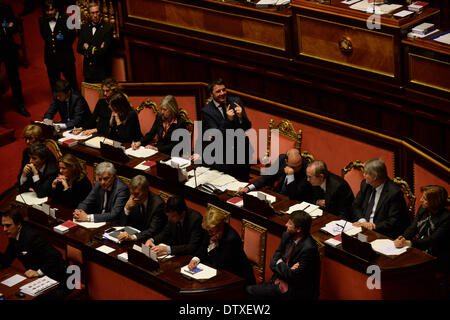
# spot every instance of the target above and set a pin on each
(430, 229)
(72, 185)
(32, 134)
(222, 247)
(167, 121)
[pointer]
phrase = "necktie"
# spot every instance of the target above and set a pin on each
(370, 205)
(105, 201)
(283, 285)
(142, 209)
(224, 110)
(283, 190)
(288, 256)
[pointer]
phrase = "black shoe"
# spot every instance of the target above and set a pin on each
(22, 111)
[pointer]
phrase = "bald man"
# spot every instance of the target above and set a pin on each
(290, 179)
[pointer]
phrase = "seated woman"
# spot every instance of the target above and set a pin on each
(222, 247)
(430, 230)
(32, 134)
(72, 185)
(124, 123)
(166, 122)
(38, 174)
(98, 122)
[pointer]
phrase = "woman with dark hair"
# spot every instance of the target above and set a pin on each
(124, 122)
(72, 185)
(430, 229)
(98, 122)
(166, 122)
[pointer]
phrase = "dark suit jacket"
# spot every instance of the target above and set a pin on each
(391, 217)
(97, 60)
(228, 255)
(304, 282)
(43, 187)
(128, 131)
(338, 196)
(116, 200)
(438, 243)
(74, 195)
(151, 222)
(57, 52)
(9, 48)
(99, 118)
(300, 189)
(35, 253)
(77, 113)
(213, 119)
(191, 237)
(165, 144)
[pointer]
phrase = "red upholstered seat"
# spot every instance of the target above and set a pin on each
(353, 174)
(254, 239)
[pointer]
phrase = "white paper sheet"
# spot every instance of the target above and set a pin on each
(90, 225)
(95, 142)
(30, 198)
(336, 227)
(387, 247)
(106, 249)
(12, 281)
(141, 152)
(271, 199)
(70, 135)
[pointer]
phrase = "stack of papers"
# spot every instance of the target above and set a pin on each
(30, 198)
(263, 196)
(379, 9)
(70, 135)
(12, 281)
(90, 225)
(141, 152)
(387, 247)
(312, 209)
(105, 249)
(336, 227)
(205, 273)
(117, 230)
(177, 162)
(95, 142)
(38, 286)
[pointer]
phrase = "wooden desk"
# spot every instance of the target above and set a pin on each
(109, 278)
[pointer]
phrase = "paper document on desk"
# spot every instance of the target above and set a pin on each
(205, 273)
(336, 227)
(95, 142)
(222, 180)
(387, 247)
(105, 249)
(263, 196)
(379, 9)
(30, 198)
(205, 177)
(70, 135)
(12, 281)
(113, 235)
(235, 185)
(38, 286)
(90, 225)
(141, 152)
(443, 38)
(177, 162)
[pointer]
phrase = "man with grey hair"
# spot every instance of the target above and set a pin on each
(380, 204)
(331, 192)
(106, 200)
(94, 43)
(144, 211)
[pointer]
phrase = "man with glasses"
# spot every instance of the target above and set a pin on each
(94, 44)
(106, 200)
(290, 179)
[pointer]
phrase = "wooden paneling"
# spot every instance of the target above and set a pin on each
(218, 23)
(372, 51)
(429, 72)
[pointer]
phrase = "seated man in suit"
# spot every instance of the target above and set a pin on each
(72, 107)
(144, 211)
(106, 200)
(380, 204)
(39, 174)
(295, 264)
(290, 177)
(182, 234)
(227, 114)
(37, 255)
(222, 247)
(331, 192)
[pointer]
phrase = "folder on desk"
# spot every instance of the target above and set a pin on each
(113, 235)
